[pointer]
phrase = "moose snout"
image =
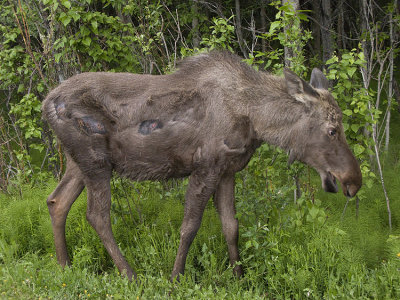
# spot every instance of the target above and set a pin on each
(349, 175)
(351, 184)
(350, 190)
(350, 181)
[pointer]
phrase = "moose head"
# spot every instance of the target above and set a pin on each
(323, 146)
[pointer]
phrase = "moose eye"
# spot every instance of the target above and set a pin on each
(332, 132)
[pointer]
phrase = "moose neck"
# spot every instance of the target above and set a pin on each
(278, 120)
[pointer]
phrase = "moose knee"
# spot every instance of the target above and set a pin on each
(57, 214)
(52, 205)
(51, 201)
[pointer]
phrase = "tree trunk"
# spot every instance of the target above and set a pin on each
(397, 94)
(390, 87)
(341, 35)
(288, 52)
(366, 47)
(326, 29)
(263, 29)
(195, 25)
(317, 27)
(239, 33)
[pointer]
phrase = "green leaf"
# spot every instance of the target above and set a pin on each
(358, 149)
(248, 244)
(314, 212)
(303, 17)
(76, 16)
(84, 31)
(332, 60)
(57, 57)
(87, 41)
(355, 127)
(343, 75)
(347, 56)
(273, 26)
(331, 76)
(94, 24)
(66, 4)
(347, 112)
(65, 19)
(351, 71)
(40, 87)
(21, 88)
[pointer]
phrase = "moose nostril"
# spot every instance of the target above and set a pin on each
(352, 189)
(348, 191)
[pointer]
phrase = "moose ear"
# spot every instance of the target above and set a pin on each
(293, 82)
(297, 87)
(318, 79)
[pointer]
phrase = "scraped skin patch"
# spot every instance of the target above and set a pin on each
(90, 126)
(148, 126)
(60, 109)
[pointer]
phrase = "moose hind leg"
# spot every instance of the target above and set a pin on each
(224, 201)
(98, 215)
(59, 204)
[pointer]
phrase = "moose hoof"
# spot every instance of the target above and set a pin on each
(175, 277)
(238, 271)
(130, 274)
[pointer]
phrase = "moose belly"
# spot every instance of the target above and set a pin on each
(153, 150)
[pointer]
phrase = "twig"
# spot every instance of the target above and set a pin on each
(345, 207)
(27, 41)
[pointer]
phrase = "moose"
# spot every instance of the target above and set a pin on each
(205, 121)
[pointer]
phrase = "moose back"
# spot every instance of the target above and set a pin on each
(204, 121)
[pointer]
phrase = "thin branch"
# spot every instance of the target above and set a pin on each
(26, 37)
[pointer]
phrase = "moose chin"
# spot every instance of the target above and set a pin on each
(204, 121)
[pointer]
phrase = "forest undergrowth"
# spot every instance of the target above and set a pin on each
(287, 249)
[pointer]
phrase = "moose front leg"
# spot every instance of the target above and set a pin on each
(98, 215)
(199, 191)
(224, 201)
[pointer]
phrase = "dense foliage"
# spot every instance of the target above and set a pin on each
(44, 42)
(296, 242)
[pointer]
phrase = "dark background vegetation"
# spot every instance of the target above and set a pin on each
(296, 241)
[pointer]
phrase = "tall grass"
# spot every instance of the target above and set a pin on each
(286, 253)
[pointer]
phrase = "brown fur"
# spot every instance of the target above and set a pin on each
(204, 121)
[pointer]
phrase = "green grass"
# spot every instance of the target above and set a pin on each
(288, 251)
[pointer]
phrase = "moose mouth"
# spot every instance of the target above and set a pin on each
(329, 182)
